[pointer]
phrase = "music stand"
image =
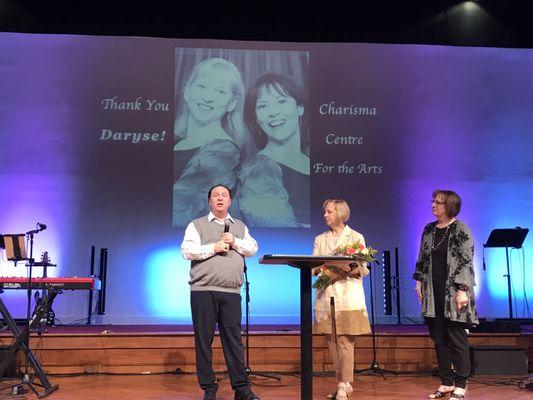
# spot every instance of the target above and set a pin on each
(511, 237)
(15, 247)
(247, 368)
(374, 369)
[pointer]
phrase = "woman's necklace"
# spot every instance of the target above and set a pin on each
(442, 239)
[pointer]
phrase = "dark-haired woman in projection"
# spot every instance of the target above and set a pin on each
(273, 189)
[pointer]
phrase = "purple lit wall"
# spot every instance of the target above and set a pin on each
(428, 117)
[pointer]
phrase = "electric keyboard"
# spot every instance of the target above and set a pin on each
(51, 283)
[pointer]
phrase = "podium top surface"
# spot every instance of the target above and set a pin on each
(303, 260)
(511, 237)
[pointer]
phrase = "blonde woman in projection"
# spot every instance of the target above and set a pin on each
(209, 134)
(347, 291)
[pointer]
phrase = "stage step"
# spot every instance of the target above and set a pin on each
(154, 352)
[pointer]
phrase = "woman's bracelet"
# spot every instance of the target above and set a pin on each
(462, 287)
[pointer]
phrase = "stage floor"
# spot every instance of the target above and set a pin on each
(163, 387)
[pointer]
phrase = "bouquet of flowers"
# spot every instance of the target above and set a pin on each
(330, 273)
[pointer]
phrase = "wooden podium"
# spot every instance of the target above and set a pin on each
(305, 264)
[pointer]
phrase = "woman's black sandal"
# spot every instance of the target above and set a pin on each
(437, 394)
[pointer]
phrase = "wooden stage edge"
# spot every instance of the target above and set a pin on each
(169, 348)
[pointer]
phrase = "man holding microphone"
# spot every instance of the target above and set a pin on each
(216, 244)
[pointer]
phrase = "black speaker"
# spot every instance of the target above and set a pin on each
(498, 360)
(11, 371)
(497, 326)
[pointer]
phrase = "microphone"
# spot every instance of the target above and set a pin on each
(226, 225)
(40, 228)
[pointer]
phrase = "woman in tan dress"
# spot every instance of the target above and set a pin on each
(347, 290)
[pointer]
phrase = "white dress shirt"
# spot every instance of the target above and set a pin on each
(192, 249)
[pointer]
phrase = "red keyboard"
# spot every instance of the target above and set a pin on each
(50, 283)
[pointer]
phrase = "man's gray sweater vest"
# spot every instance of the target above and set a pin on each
(222, 272)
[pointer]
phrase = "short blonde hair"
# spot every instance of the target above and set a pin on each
(340, 205)
(232, 121)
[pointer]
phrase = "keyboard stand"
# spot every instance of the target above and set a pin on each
(17, 345)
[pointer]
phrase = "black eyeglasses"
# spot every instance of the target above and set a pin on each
(437, 202)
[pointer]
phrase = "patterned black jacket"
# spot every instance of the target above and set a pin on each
(460, 255)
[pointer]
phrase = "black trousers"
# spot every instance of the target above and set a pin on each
(208, 309)
(451, 343)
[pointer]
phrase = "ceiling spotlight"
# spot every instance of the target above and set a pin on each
(470, 6)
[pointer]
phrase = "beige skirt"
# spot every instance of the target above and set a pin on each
(351, 315)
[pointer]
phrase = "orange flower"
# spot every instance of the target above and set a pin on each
(360, 246)
(350, 251)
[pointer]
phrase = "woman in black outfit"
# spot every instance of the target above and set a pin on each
(445, 283)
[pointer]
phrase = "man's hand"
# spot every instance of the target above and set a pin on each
(221, 247)
(228, 238)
